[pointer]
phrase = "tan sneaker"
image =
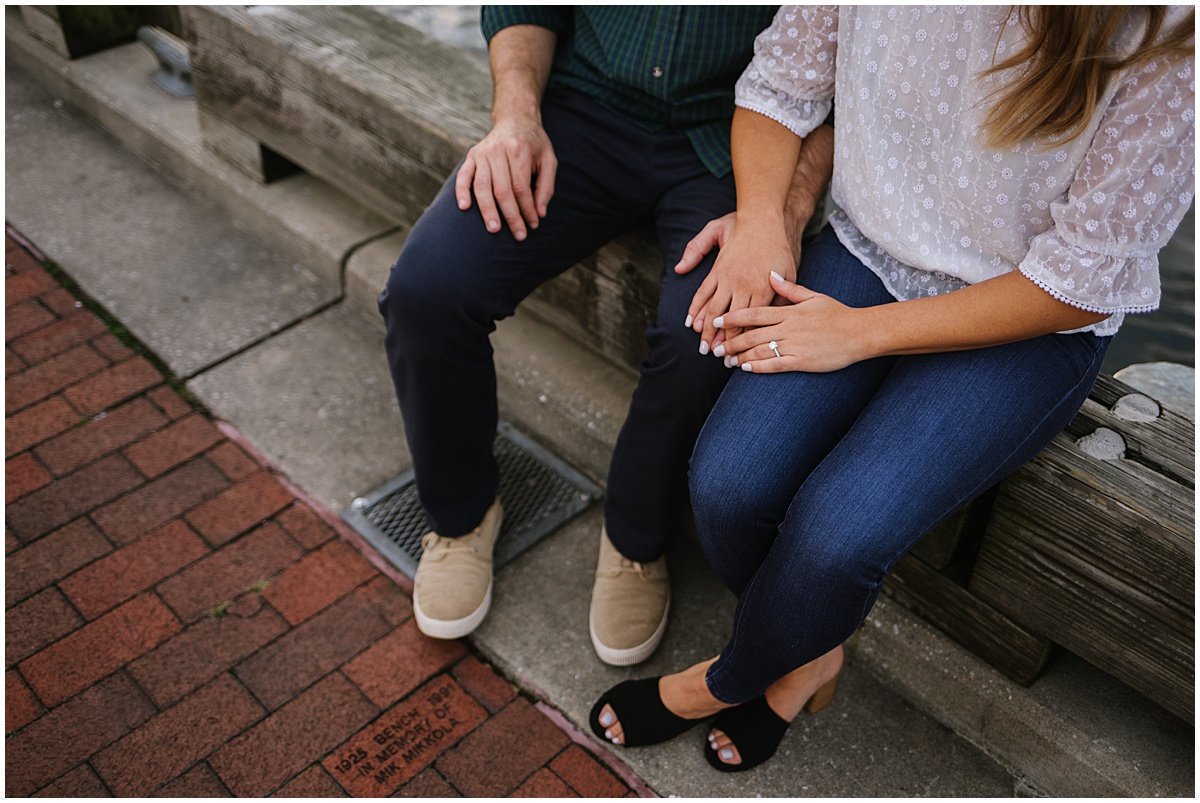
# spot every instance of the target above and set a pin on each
(453, 587)
(630, 601)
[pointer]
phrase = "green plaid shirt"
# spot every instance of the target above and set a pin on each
(660, 66)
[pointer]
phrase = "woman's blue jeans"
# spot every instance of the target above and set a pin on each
(808, 487)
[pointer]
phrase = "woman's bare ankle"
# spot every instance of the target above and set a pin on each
(686, 694)
(788, 695)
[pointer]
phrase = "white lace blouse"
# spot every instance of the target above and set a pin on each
(928, 207)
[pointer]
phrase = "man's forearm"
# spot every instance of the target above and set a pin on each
(521, 56)
(813, 171)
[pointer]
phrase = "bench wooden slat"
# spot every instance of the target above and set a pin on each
(1167, 444)
(1098, 556)
(982, 629)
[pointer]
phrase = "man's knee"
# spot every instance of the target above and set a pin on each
(674, 358)
(426, 291)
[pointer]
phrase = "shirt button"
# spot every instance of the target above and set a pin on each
(657, 72)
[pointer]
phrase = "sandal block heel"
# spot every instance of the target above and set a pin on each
(823, 696)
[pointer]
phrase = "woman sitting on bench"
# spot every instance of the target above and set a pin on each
(1006, 177)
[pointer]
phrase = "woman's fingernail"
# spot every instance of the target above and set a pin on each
(733, 363)
(606, 719)
(726, 754)
(719, 351)
(687, 321)
(746, 367)
(703, 347)
(775, 275)
(726, 361)
(719, 321)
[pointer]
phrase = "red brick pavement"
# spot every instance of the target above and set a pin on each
(179, 623)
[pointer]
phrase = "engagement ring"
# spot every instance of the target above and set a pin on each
(773, 346)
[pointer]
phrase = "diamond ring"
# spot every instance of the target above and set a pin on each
(773, 346)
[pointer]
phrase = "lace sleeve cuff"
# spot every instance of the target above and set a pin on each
(1092, 281)
(798, 115)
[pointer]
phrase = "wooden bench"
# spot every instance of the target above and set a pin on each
(1096, 555)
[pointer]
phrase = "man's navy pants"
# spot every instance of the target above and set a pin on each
(453, 280)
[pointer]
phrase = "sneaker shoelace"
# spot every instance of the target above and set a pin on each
(628, 565)
(436, 545)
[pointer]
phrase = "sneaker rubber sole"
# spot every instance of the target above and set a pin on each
(628, 656)
(452, 628)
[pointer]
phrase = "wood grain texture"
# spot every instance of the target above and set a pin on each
(982, 629)
(1166, 445)
(1099, 556)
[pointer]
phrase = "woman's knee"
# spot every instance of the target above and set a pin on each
(732, 503)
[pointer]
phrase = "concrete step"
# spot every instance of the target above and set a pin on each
(316, 398)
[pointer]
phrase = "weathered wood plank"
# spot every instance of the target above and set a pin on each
(385, 113)
(1098, 556)
(983, 630)
(955, 540)
(1167, 444)
(44, 24)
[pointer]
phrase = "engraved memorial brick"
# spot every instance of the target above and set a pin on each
(405, 739)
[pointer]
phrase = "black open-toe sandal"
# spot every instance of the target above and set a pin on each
(753, 728)
(756, 730)
(643, 717)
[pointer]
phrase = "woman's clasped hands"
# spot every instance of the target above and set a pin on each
(748, 307)
(749, 249)
(811, 332)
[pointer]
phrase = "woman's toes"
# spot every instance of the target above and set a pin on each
(718, 739)
(723, 746)
(610, 723)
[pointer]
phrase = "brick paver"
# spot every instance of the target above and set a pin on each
(133, 568)
(79, 782)
(39, 422)
(175, 739)
(544, 783)
(486, 763)
(179, 624)
(51, 558)
(99, 436)
(199, 781)
(23, 474)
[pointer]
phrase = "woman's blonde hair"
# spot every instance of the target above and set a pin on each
(1069, 59)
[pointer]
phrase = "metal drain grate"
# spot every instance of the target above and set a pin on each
(539, 493)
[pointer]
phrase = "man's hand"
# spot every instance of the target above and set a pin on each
(503, 166)
(740, 278)
(501, 169)
(811, 332)
(714, 235)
